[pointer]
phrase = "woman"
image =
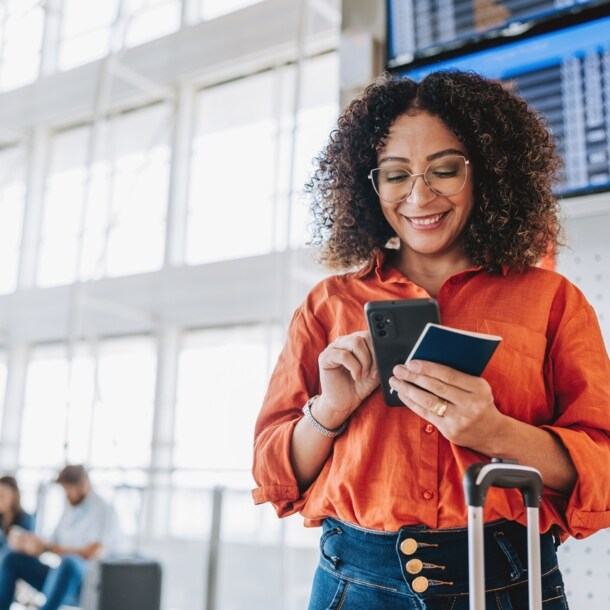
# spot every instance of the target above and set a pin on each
(11, 512)
(456, 173)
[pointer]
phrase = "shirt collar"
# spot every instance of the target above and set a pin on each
(384, 272)
(387, 273)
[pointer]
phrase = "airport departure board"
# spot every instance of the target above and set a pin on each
(565, 75)
(554, 53)
(421, 27)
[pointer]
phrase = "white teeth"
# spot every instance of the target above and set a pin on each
(429, 220)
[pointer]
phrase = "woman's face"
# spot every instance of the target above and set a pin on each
(427, 224)
(7, 497)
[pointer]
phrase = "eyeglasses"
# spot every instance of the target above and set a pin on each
(445, 176)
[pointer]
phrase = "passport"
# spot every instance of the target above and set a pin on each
(463, 350)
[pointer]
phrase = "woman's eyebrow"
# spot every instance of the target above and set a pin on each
(436, 155)
(442, 153)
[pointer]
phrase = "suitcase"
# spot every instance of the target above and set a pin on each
(122, 584)
(477, 481)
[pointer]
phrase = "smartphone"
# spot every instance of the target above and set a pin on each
(395, 327)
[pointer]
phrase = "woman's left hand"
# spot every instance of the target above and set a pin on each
(460, 406)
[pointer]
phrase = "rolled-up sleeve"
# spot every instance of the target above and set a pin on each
(581, 375)
(294, 380)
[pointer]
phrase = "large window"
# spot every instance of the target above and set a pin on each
(12, 196)
(238, 203)
(104, 213)
(21, 27)
(107, 389)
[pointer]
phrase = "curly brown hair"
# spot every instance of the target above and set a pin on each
(514, 221)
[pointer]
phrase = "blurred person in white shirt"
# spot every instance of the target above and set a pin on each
(88, 529)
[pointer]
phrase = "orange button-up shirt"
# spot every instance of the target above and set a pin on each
(391, 468)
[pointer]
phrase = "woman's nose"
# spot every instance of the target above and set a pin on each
(421, 193)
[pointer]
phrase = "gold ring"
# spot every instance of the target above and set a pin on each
(440, 407)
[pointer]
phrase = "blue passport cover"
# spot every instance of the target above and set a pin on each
(460, 349)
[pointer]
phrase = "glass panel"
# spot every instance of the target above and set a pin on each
(124, 405)
(20, 42)
(210, 9)
(45, 408)
(209, 407)
(12, 203)
(233, 172)
(140, 151)
(57, 407)
(120, 200)
(86, 29)
(150, 19)
(62, 207)
(69, 416)
(80, 17)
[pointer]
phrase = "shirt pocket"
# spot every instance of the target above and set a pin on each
(516, 371)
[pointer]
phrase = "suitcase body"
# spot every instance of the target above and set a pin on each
(122, 584)
(477, 481)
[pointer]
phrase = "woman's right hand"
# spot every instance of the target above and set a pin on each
(347, 376)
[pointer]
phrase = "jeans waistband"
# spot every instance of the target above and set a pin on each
(430, 562)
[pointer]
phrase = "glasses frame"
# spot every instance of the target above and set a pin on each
(423, 175)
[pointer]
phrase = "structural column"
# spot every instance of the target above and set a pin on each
(158, 500)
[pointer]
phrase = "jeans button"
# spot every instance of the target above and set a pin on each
(408, 546)
(420, 584)
(414, 566)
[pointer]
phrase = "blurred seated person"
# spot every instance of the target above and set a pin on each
(87, 530)
(12, 514)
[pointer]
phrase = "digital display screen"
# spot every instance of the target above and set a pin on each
(416, 26)
(564, 75)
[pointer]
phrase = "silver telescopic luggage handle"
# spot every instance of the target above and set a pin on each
(477, 481)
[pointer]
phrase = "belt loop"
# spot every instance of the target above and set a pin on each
(556, 534)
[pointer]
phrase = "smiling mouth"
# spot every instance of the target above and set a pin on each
(423, 221)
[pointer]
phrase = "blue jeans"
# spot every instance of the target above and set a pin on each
(421, 569)
(60, 585)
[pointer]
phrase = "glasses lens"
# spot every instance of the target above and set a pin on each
(447, 175)
(392, 184)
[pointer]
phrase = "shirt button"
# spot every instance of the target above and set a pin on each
(428, 494)
(429, 428)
